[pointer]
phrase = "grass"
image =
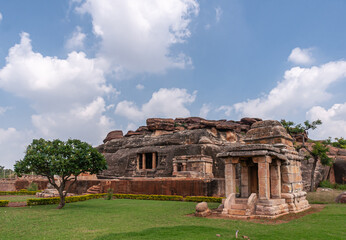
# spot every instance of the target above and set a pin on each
(323, 197)
(16, 198)
(144, 219)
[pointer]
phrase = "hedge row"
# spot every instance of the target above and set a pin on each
(20, 192)
(56, 200)
(149, 197)
(203, 199)
(4, 203)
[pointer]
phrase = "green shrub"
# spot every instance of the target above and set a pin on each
(32, 187)
(340, 186)
(203, 199)
(149, 197)
(20, 192)
(56, 200)
(109, 195)
(4, 203)
(326, 184)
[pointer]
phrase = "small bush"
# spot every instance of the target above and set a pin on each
(203, 199)
(326, 184)
(109, 195)
(56, 200)
(149, 197)
(4, 203)
(32, 187)
(20, 192)
(340, 186)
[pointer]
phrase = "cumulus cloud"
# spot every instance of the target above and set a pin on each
(12, 145)
(163, 103)
(66, 94)
(227, 110)
(138, 35)
(0, 17)
(300, 89)
(301, 56)
(333, 121)
(139, 86)
(76, 42)
(51, 83)
(205, 109)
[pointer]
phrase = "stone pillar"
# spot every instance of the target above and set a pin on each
(275, 180)
(175, 167)
(138, 161)
(143, 161)
(263, 176)
(230, 177)
(244, 181)
(184, 166)
(154, 160)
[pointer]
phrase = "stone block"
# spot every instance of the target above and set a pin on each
(286, 188)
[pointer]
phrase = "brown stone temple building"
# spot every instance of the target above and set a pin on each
(270, 179)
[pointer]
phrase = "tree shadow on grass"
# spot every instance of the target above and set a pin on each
(177, 232)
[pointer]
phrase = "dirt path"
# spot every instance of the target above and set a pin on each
(17, 204)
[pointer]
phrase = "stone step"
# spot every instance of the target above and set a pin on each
(241, 200)
(238, 206)
(236, 212)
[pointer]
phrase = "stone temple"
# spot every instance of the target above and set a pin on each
(251, 162)
(270, 179)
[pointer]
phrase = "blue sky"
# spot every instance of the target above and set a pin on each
(80, 68)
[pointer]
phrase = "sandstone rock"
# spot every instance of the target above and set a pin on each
(117, 134)
(342, 152)
(341, 198)
(166, 124)
(205, 140)
(249, 121)
(142, 129)
(340, 169)
(201, 207)
(132, 133)
(202, 210)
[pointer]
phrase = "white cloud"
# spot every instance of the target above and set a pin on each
(333, 121)
(301, 89)
(139, 86)
(138, 35)
(205, 109)
(12, 145)
(51, 83)
(227, 110)
(84, 122)
(76, 42)
(163, 103)
(218, 13)
(301, 56)
(0, 17)
(67, 94)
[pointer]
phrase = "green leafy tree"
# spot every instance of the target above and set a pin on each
(319, 150)
(64, 159)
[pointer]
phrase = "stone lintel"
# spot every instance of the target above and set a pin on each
(252, 147)
(262, 159)
(242, 154)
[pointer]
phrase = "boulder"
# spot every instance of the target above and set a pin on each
(166, 124)
(201, 207)
(202, 210)
(249, 121)
(132, 133)
(117, 134)
(341, 198)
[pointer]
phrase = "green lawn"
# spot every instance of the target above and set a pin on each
(16, 198)
(143, 219)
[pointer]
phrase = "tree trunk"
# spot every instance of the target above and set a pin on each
(62, 195)
(312, 187)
